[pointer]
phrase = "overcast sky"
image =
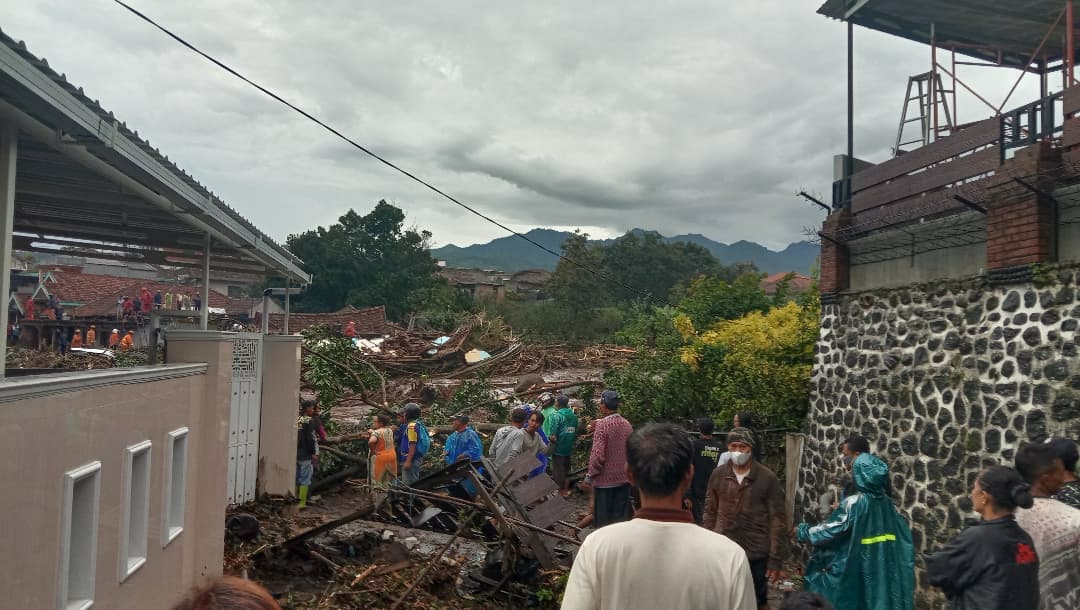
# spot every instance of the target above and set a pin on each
(684, 117)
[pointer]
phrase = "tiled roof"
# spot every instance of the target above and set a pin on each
(76, 288)
(370, 321)
(105, 304)
(797, 283)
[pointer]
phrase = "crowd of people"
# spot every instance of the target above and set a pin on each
(656, 490)
(1023, 553)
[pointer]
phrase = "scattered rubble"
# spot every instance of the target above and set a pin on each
(420, 547)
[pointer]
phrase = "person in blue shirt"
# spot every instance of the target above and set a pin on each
(464, 443)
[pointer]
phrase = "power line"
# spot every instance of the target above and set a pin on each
(376, 156)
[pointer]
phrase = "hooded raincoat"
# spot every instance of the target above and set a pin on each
(863, 555)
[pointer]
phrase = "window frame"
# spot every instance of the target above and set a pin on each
(68, 521)
(174, 493)
(136, 509)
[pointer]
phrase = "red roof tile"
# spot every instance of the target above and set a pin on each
(798, 282)
(74, 287)
(105, 304)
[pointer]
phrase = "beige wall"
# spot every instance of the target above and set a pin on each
(277, 427)
(52, 424)
(212, 445)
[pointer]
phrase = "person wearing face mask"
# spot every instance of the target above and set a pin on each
(863, 555)
(993, 564)
(745, 502)
(1054, 527)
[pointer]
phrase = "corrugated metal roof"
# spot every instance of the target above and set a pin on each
(109, 134)
(1013, 27)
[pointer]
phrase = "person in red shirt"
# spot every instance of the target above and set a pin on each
(147, 300)
(607, 464)
(350, 330)
(30, 308)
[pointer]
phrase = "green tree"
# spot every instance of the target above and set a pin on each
(365, 261)
(710, 298)
(644, 262)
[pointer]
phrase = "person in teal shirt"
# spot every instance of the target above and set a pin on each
(863, 557)
(547, 407)
(563, 437)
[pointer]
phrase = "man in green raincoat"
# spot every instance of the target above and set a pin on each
(863, 556)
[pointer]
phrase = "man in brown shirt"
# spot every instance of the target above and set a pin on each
(746, 503)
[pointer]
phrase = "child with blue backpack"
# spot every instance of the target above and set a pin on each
(415, 444)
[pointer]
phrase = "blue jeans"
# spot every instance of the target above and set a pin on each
(304, 471)
(412, 474)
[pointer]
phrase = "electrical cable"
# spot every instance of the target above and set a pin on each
(381, 159)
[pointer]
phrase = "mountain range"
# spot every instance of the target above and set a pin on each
(512, 253)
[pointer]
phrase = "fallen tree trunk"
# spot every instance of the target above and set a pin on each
(329, 525)
(334, 479)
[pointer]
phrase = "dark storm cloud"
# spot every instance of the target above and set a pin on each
(692, 116)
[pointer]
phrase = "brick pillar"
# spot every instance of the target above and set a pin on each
(1021, 230)
(834, 257)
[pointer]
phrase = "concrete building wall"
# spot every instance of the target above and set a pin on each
(212, 443)
(961, 261)
(277, 427)
(50, 425)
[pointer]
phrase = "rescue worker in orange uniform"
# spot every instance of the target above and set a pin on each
(91, 336)
(128, 342)
(76, 339)
(114, 338)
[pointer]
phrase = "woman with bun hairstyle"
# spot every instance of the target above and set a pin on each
(991, 565)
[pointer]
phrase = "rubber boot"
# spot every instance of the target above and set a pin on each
(303, 496)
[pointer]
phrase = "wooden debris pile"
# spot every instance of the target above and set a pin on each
(497, 543)
(534, 358)
(22, 358)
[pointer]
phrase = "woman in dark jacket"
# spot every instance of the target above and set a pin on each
(991, 565)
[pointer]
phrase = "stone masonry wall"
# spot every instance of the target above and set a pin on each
(943, 379)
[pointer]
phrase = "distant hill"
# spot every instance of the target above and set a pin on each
(514, 254)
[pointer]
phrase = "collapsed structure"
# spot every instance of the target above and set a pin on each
(949, 272)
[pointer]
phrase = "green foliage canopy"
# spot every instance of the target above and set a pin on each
(365, 261)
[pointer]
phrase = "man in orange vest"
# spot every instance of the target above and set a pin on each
(76, 339)
(91, 336)
(114, 338)
(128, 342)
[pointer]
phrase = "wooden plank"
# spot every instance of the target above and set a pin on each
(1071, 101)
(548, 512)
(534, 489)
(517, 468)
(978, 134)
(932, 204)
(980, 162)
(1071, 135)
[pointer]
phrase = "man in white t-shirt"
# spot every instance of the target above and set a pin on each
(661, 558)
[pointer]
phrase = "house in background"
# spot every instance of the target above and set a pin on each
(529, 284)
(797, 283)
(482, 284)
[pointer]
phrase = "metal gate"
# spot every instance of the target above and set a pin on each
(244, 414)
